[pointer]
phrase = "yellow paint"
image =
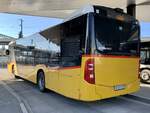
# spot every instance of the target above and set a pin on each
(9, 67)
(109, 72)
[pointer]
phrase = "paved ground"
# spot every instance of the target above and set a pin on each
(13, 92)
(4, 75)
(8, 103)
(144, 92)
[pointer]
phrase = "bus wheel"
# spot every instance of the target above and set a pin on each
(13, 72)
(17, 77)
(41, 81)
(13, 69)
(145, 75)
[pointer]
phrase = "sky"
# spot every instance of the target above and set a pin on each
(10, 25)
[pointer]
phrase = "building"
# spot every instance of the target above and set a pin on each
(4, 41)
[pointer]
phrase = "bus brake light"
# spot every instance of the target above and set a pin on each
(89, 74)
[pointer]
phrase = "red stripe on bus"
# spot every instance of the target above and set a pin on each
(71, 67)
(62, 68)
(109, 56)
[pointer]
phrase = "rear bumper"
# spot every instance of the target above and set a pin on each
(107, 92)
(98, 92)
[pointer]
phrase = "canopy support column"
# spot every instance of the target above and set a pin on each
(131, 10)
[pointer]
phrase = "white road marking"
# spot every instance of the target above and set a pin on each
(23, 108)
(23, 104)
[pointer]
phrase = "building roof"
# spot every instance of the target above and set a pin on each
(6, 39)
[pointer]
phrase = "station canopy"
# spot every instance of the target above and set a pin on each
(63, 8)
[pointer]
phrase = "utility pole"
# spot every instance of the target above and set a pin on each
(21, 29)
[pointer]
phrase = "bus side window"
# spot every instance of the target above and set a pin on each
(70, 52)
(73, 41)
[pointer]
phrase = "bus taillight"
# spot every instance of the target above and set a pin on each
(89, 74)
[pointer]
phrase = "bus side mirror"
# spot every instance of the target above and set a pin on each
(7, 52)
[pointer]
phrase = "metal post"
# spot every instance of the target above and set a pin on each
(21, 30)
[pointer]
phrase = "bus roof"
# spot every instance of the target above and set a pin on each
(90, 8)
(84, 10)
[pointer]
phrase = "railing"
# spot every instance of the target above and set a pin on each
(3, 65)
(3, 61)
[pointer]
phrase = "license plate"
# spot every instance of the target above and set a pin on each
(119, 87)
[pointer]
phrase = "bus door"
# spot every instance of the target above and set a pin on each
(72, 48)
(70, 66)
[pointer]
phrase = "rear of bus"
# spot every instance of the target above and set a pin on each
(11, 66)
(110, 66)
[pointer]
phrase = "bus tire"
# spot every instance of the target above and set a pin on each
(41, 81)
(13, 69)
(13, 72)
(145, 75)
(17, 77)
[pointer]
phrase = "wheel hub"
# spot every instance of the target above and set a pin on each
(145, 76)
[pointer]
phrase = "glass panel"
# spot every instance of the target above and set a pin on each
(116, 37)
(73, 41)
(145, 56)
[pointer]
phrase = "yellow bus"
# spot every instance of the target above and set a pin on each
(92, 55)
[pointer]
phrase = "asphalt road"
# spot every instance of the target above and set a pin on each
(13, 92)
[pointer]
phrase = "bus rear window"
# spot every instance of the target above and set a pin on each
(116, 37)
